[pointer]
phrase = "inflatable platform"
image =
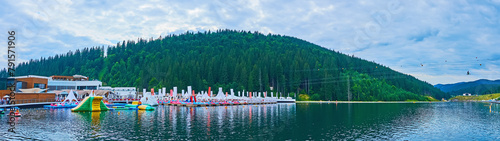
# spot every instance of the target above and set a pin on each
(91, 104)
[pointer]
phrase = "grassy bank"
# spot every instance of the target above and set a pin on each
(476, 98)
(367, 101)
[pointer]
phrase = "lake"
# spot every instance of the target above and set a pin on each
(301, 121)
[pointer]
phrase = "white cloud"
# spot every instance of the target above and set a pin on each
(396, 33)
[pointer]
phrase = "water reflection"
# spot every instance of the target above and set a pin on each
(92, 122)
(341, 121)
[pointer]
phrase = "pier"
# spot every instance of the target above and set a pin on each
(28, 105)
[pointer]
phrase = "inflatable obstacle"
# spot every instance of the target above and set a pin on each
(17, 113)
(146, 107)
(91, 104)
(61, 105)
(136, 105)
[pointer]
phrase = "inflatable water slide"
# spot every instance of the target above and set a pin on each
(91, 104)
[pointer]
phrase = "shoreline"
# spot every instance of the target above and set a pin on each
(369, 101)
(497, 102)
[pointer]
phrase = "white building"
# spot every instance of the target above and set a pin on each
(122, 92)
(75, 82)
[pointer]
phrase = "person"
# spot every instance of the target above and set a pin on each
(1, 101)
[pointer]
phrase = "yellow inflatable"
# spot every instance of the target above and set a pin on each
(146, 107)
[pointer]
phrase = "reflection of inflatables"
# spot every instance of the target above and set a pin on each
(2, 111)
(93, 118)
(91, 104)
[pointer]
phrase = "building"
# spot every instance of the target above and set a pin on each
(29, 89)
(122, 92)
(28, 82)
(75, 82)
(33, 88)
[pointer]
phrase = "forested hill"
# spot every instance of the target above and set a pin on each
(236, 59)
(478, 87)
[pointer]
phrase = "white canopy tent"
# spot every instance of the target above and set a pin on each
(220, 95)
(70, 97)
(203, 96)
(188, 93)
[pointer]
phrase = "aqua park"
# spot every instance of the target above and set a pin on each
(189, 98)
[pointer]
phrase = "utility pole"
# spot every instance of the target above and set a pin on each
(348, 89)
(284, 86)
(260, 79)
(307, 86)
(277, 87)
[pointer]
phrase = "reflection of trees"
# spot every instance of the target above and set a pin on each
(356, 120)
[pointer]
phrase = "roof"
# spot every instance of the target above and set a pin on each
(79, 76)
(30, 76)
(81, 92)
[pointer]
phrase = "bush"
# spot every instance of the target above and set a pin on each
(303, 97)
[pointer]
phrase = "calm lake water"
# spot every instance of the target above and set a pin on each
(301, 121)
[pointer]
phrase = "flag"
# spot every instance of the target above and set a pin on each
(209, 92)
(152, 91)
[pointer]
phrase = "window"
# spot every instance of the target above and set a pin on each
(61, 87)
(52, 88)
(87, 87)
(38, 85)
(20, 85)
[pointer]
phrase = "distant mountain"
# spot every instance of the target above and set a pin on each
(481, 86)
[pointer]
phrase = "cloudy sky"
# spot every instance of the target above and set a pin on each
(434, 40)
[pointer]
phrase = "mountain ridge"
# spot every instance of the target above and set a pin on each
(480, 86)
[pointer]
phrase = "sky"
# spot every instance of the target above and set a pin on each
(436, 41)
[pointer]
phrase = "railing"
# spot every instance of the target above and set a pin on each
(122, 99)
(22, 101)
